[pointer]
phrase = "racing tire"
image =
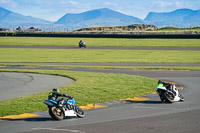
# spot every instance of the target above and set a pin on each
(79, 112)
(55, 113)
(168, 97)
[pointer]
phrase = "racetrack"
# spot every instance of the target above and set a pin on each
(14, 85)
(146, 116)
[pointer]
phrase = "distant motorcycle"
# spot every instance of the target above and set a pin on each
(58, 110)
(82, 44)
(168, 92)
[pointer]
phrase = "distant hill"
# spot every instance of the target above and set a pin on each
(8, 18)
(128, 28)
(99, 17)
(178, 18)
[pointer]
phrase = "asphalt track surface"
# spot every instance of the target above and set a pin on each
(14, 85)
(147, 116)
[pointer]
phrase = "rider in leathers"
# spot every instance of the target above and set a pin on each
(55, 94)
(170, 87)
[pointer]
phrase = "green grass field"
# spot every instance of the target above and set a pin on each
(88, 88)
(84, 55)
(187, 68)
(93, 87)
(46, 41)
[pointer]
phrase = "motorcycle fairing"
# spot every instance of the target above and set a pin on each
(69, 113)
(50, 102)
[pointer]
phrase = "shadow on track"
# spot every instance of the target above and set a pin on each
(32, 119)
(37, 119)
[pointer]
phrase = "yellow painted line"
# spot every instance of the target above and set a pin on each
(135, 99)
(2, 66)
(172, 82)
(180, 88)
(26, 115)
(154, 93)
(92, 106)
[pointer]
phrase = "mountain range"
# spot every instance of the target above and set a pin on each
(8, 18)
(177, 18)
(99, 17)
(103, 17)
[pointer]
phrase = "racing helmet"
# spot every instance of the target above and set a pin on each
(55, 91)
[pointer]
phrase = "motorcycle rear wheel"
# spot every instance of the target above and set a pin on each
(55, 113)
(168, 97)
(181, 98)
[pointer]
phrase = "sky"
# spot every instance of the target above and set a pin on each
(52, 10)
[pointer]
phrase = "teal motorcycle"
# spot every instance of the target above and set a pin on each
(63, 108)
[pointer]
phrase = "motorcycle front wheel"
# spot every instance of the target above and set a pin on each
(56, 113)
(79, 112)
(168, 97)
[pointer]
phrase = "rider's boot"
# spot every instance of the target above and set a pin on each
(181, 97)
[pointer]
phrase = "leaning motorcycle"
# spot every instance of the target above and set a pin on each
(168, 92)
(58, 110)
(82, 44)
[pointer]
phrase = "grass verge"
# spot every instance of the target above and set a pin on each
(121, 42)
(184, 68)
(88, 88)
(85, 55)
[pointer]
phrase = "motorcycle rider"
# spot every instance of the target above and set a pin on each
(169, 87)
(81, 43)
(55, 94)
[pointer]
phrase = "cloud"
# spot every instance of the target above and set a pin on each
(171, 4)
(4, 1)
(73, 2)
(69, 3)
(8, 3)
(182, 4)
(107, 3)
(162, 4)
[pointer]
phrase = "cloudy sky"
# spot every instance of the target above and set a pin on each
(54, 9)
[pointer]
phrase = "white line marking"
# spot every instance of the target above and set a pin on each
(52, 129)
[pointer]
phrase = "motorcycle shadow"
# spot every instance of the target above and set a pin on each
(31, 119)
(37, 119)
